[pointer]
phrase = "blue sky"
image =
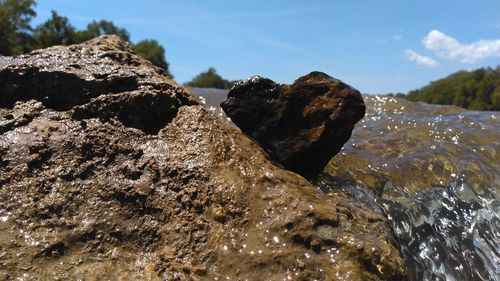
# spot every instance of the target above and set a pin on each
(375, 46)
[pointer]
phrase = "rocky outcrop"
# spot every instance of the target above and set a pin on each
(303, 125)
(109, 170)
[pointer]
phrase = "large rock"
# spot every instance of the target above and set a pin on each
(109, 170)
(303, 125)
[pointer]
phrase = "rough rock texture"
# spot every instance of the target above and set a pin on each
(133, 180)
(86, 76)
(303, 125)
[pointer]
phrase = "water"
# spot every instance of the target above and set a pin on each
(434, 172)
(416, 146)
(447, 233)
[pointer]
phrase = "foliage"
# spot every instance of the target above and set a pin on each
(210, 79)
(55, 31)
(15, 17)
(154, 52)
(58, 31)
(102, 27)
(398, 95)
(475, 90)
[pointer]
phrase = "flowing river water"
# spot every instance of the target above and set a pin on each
(434, 171)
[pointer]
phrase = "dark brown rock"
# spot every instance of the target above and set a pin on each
(89, 191)
(303, 125)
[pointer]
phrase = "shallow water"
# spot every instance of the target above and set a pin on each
(415, 146)
(447, 233)
(434, 172)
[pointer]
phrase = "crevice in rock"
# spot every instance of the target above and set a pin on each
(20, 115)
(107, 98)
(148, 111)
(55, 250)
(57, 90)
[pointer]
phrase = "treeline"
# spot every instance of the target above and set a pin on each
(210, 79)
(474, 90)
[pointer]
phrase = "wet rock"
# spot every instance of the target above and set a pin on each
(63, 77)
(303, 125)
(20, 115)
(94, 187)
(148, 111)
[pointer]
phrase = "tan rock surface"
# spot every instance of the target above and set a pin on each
(88, 191)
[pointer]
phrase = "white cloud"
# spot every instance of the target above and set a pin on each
(397, 37)
(420, 60)
(450, 48)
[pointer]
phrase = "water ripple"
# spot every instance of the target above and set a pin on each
(447, 233)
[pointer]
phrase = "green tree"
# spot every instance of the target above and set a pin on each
(210, 79)
(154, 52)
(15, 28)
(102, 27)
(55, 31)
(476, 90)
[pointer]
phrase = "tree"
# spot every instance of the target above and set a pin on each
(102, 27)
(55, 31)
(154, 52)
(210, 79)
(15, 28)
(476, 90)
